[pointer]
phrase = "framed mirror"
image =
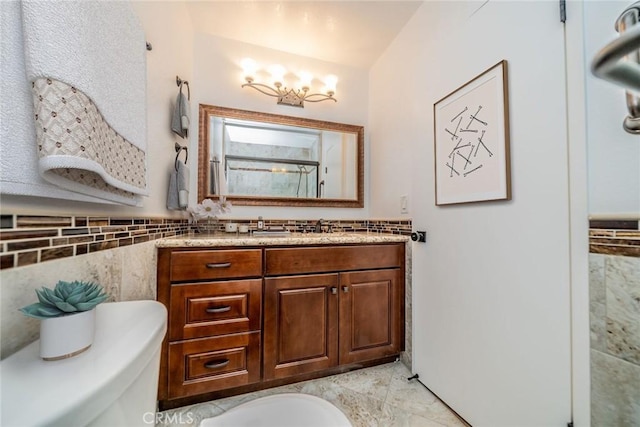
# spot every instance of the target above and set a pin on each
(268, 159)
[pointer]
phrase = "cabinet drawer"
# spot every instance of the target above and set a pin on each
(210, 364)
(215, 308)
(283, 261)
(215, 264)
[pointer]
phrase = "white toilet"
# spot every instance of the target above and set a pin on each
(114, 383)
(281, 410)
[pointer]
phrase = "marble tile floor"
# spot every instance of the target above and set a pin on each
(379, 396)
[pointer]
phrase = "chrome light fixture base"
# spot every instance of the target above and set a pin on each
(290, 97)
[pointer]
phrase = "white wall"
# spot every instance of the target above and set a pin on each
(168, 28)
(218, 79)
(614, 155)
(491, 285)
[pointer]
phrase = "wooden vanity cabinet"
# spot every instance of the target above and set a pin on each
(241, 319)
(214, 301)
(318, 321)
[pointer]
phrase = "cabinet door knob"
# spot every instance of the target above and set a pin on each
(218, 309)
(218, 265)
(345, 289)
(334, 290)
(216, 364)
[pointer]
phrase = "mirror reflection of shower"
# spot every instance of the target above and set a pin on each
(303, 168)
(254, 159)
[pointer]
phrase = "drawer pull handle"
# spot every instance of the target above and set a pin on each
(219, 265)
(218, 309)
(216, 364)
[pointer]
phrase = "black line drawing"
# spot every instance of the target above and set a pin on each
(468, 161)
(454, 135)
(478, 162)
(452, 170)
(472, 170)
(458, 115)
(481, 142)
(475, 117)
(457, 147)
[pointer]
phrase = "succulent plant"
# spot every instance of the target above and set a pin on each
(65, 298)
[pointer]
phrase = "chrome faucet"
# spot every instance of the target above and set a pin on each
(318, 228)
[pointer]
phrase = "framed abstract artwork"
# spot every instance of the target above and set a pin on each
(471, 140)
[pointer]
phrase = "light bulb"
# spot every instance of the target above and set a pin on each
(330, 84)
(249, 68)
(305, 80)
(277, 74)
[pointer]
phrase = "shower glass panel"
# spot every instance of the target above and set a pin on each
(250, 176)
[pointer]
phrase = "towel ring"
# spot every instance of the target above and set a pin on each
(180, 82)
(179, 149)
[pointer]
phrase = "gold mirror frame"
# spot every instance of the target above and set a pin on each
(206, 111)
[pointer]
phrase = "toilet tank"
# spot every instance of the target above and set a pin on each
(114, 383)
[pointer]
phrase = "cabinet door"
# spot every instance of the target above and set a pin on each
(300, 324)
(371, 315)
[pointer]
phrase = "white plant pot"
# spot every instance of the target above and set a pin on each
(67, 336)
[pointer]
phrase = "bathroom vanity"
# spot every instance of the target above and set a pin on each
(247, 313)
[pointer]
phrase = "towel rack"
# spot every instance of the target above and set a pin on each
(180, 82)
(179, 149)
(619, 62)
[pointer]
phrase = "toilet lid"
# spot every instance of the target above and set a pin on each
(74, 391)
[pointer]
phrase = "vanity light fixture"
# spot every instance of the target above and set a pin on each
(292, 97)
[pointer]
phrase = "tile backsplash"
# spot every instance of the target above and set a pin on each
(28, 239)
(614, 237)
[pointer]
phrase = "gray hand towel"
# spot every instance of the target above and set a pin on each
(181, 116)
(178, 193)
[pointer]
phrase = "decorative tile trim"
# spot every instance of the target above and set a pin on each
(29, 239)
(26, 239)
(402, 227)
(614, 237)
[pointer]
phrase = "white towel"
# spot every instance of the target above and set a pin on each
(19, 156)
(98, 49)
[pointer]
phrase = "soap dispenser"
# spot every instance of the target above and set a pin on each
(260, 224)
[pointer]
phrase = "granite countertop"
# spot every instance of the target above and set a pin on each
(239, 239)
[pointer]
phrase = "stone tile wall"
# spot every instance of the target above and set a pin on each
(127, 273)
(118, 253)
(614, 286)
